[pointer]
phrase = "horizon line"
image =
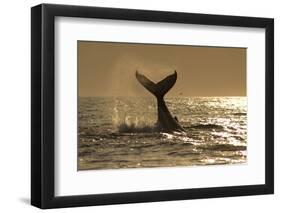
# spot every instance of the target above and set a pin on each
(130, 96)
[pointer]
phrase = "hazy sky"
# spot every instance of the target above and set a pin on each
(108, 69)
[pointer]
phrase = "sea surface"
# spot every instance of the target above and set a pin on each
(119, 132)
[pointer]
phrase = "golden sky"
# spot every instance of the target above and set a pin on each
(108, 69)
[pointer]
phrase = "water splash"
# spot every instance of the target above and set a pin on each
(131, 123)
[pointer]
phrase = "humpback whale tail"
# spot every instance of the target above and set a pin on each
(158, 89)
(166, 121)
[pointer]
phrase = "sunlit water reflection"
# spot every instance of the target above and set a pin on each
(120, 133)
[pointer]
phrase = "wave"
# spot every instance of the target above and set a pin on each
(240, 113)
(206, 126)
(133, 128)
(149, 128)
(224, 147)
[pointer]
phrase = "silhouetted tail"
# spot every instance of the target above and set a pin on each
(158, 89)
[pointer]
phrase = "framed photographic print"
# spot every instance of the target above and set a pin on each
(139, 106)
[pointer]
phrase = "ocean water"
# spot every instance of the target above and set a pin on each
(118, 132)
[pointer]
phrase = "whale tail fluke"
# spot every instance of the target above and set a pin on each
(158, 89)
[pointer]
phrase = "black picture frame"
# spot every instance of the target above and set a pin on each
(43, 102)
